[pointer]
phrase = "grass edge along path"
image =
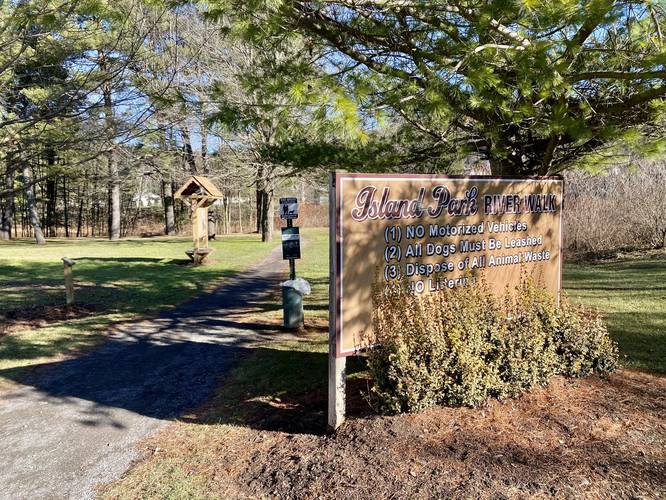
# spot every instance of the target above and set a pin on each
(124, 280)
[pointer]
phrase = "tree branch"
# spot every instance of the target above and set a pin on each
(617, 75)
(314, 23)
(634, 100)
(597, 12)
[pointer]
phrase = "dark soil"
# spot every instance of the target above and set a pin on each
(41, 315)
(590, 438)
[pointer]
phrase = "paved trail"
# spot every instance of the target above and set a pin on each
(75, 423)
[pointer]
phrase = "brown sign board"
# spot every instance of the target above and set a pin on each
(438, 232)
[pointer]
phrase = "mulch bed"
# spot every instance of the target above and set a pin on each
(37, 316)
(590, 438)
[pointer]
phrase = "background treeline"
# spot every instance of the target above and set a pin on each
(78, 206)
(623, 207)
(107, 106)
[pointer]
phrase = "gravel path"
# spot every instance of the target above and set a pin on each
(75, 423)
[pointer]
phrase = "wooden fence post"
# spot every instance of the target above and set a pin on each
(69, 280)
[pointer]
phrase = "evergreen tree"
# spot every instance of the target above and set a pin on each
(531, 85)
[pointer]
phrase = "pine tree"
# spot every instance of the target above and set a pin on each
(533, 86)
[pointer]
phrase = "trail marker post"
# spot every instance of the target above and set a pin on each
(292, 300)
(69, 280)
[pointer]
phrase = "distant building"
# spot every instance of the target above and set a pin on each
(147, 200)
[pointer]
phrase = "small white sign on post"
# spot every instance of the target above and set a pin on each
(288, 208)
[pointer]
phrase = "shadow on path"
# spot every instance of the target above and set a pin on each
(74, 422)
(163, 366)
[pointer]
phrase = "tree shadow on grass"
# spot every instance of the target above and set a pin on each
(282, 390)
(124, 285)
(165, 260)
(164, 377)
(616, 276)
(16, 347)
(641, 337)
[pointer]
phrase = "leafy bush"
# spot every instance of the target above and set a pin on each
(461, 346)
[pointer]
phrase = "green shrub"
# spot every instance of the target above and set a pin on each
(461, 346)
(583, 344)
(527, 355)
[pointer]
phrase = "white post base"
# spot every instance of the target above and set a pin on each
(337, 381)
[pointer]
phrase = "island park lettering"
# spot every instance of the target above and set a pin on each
(434, 233)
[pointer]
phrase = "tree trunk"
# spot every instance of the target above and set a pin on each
(114, 197)
(51, 193)
(204, 144)
(266, 215)
(65, 200)
(32, 206)
(177, 208)
(79, 219)
(93, 208)
(169, 217)
(227, 213)
(7, 215)
(240, 213)
(24, 216)
(251, 207)
(259, 181)
(112, 165)
(259, 210)
(212, 223)
(187, 148)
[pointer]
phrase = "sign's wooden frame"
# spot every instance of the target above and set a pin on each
(337, 356)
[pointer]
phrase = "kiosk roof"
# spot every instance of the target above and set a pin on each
(199, 186)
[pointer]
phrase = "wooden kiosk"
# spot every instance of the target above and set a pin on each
(200, 193)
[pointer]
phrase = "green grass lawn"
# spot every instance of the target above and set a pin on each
(313, 267)
(632, 297)
(139, 276)
(124, 279)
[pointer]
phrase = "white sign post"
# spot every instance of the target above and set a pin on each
(337, 378)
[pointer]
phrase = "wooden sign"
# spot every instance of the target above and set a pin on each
(437, 233)
(291, 243)
(288, 208)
